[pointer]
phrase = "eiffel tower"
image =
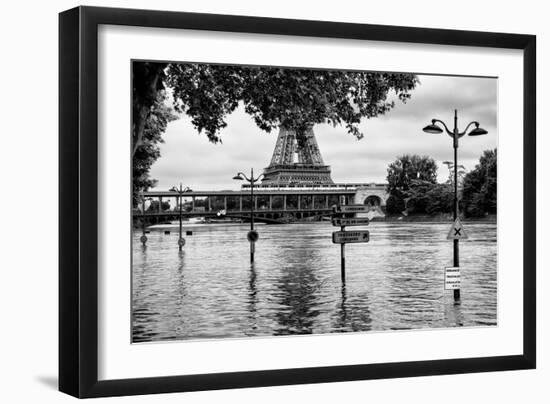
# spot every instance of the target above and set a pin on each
(294, 163)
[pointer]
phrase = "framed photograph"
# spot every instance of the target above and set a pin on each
(251, 201)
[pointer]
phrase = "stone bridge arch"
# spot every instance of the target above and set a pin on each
(371, 194)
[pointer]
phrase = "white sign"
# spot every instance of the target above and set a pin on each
(351, 208)
(457, 231)
(359, 236)
(354, 221)
(452, 278)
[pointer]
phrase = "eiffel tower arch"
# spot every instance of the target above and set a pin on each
(295, 163)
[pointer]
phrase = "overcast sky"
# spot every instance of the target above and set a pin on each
(188, 157)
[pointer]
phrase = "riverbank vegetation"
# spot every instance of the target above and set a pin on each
(413, 188)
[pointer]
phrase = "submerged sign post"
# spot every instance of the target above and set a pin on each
(452, 278)
(351, 209)
(353, 221)
(452, 275)
(343, 237)
(457, 231)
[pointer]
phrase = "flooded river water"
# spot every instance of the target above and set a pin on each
(210, 290)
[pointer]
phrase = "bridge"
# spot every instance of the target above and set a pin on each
(272, 204)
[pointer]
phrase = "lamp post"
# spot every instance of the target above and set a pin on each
(180, 191)
(143, 237)
(252, 235)
(455, 134)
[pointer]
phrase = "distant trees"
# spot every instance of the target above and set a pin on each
(406, 178)
(479, 194)
(431, 198)
(413, 188)
(154, 206)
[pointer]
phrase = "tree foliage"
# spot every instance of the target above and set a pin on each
(154, 206)
(148, 151)
(292, 98)
(408, 176)
(407, 168)
(480, 186)
(272, 96)
(413, 188)
(395, 204)
(429, 198)
(147, 85)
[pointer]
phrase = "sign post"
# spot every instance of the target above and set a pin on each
(354, 221)
(252, 236)
(342, 237)
(350, 209)
(452, 278)
(143, 237)
(342, 256)
(456, 233)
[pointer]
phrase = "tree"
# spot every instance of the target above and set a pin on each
(147, 84)
(402, 173)
(148, 151)
(154, 206)
(430, 198)
(407, 168)
(292, 98)
(480, 186)
(395, 204)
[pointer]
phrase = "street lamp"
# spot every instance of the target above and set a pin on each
(180, 191)
(455, 134)
(143, 237)
(252, 235)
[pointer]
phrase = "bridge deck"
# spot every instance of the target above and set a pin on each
(246, 192)
(233, 212)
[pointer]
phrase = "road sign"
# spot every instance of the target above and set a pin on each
(452, 278)
(355, 221)
(181, 242)
(252, 236)
(358, 236)
(143, 239)
(457, 231)
(351, 208)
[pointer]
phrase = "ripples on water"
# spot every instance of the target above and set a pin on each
(210, 290)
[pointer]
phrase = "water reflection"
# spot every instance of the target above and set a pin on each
(297, 288)
(252, 300)
(352, 315)
(210, 290)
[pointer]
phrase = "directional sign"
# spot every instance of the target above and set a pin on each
(355, 221)
(252, 236)
(452, 278)
(351, 208)
(457, 231)
(358, 236)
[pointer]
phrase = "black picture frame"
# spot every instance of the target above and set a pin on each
(78, 196)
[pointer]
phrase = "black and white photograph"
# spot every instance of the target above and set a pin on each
(273, 201)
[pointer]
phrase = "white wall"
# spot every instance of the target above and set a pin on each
(28, 259)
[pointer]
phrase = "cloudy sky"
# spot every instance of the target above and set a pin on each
(188, 157)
